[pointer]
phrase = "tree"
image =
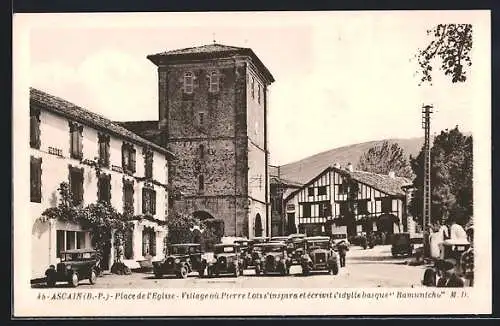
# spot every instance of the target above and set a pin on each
(180, 227)
(384, 158)
(451, 177)
(451, 45)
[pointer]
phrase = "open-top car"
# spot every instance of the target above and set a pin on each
(181, 259)
(319, 256)
(75, 265)
(274, 258)
(451, 253)
(227, 260)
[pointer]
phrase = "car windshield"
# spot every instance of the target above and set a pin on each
(224, 249)
(401, 240)
(339, 236)
(181, 250)
(273, 249)
(71, 257)
(319, 244)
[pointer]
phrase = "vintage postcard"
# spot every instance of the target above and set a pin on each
(258, 163)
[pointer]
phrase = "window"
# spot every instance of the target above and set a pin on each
(148, 161)
(362, 207)
(104, 149)
(67, 240)
(344, 208)
(310, 191)
(202, 152)
(128, 246)
(343, 189)
(201, 116)
(148, 242)
(76, 184)
(306, 210)
(188, 82)
(104, 188)
(34, 128)
(201, 183)
(36, 180)
(258, 93)
(148, 201)
(386, 205)
(325, 209)
(214, 82)
(252, 85)
(76, 145)
(322, 191)
(128, 196)
(128, 158)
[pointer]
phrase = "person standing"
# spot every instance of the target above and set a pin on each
(342, 248)
(449, 278)
(457, 232)
(467, 259)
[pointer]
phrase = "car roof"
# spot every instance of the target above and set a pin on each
(77, 251)
(226, 245)
(297, 235)
(318, 238)
(184, 244)
(271, 244)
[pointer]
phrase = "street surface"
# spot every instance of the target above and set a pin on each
(364, 268)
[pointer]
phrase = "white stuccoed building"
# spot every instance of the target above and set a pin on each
(64, 138)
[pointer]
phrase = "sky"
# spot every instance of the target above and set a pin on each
(341, 77)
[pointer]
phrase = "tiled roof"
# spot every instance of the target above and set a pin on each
(275, 180)
(72, 111)
(211, 51)
(209, 48)
(385, 183)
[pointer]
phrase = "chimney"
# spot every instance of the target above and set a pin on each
(392, 175)
(349, 167)
(336, 165)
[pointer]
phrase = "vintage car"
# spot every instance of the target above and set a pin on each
(450, 250)
(75, 265)
(251, 257)
(339, 237)
(319, 256)
(295, 250)
(226, 260)
(401, 244)
(274, 258)
(243, 243)
(180, 260)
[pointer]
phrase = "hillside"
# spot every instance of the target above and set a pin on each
(307, 168)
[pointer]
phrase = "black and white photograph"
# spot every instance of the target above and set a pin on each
(252, 163)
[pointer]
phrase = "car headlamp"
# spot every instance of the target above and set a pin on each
(277, 258)
(177, 260)
(68, 267)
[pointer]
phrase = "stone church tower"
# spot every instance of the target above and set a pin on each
(213, 117)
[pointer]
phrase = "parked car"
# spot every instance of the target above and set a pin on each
(319, 256)
(274, 258)
(295, 250)
(252, 257)
(260, 240)
(181, 259)
(75, 265)
(243, 243)
(339, 237)
(227, 260)
(401, 244)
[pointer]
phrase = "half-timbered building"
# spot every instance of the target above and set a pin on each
(65, 140)
(358, 201)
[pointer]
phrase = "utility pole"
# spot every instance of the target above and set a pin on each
(427, 193)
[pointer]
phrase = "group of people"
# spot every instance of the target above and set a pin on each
(453, 232)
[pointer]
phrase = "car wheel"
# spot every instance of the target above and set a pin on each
(305, 271)
(430, 278)
(93, 277)
(158, 275)
(334, 270)
(283, 270)
(236, 272)
(51, 282)
(74, 280)
(257, 270)
(201, 272)
(241, 271)
(183, 273)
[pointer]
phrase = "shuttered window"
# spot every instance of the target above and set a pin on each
(104, 149)
(76, 184)
(148, 201)
(104, 188)
(34, 128)
(214, 82)
(128, 196)
(36, 180)
(76, 140)
(188, 82)
(148, 242)
(128, 158)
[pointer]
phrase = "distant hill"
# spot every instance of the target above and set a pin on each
(307, 168)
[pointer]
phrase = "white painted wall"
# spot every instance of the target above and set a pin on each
(54, 131)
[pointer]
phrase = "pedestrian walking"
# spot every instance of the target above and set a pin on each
(342, 248)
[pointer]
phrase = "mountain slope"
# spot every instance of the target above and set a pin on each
(307, 168)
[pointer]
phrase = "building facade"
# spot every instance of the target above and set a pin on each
(378, 202)
(280, 188)
(64, 140)
(213, 117)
